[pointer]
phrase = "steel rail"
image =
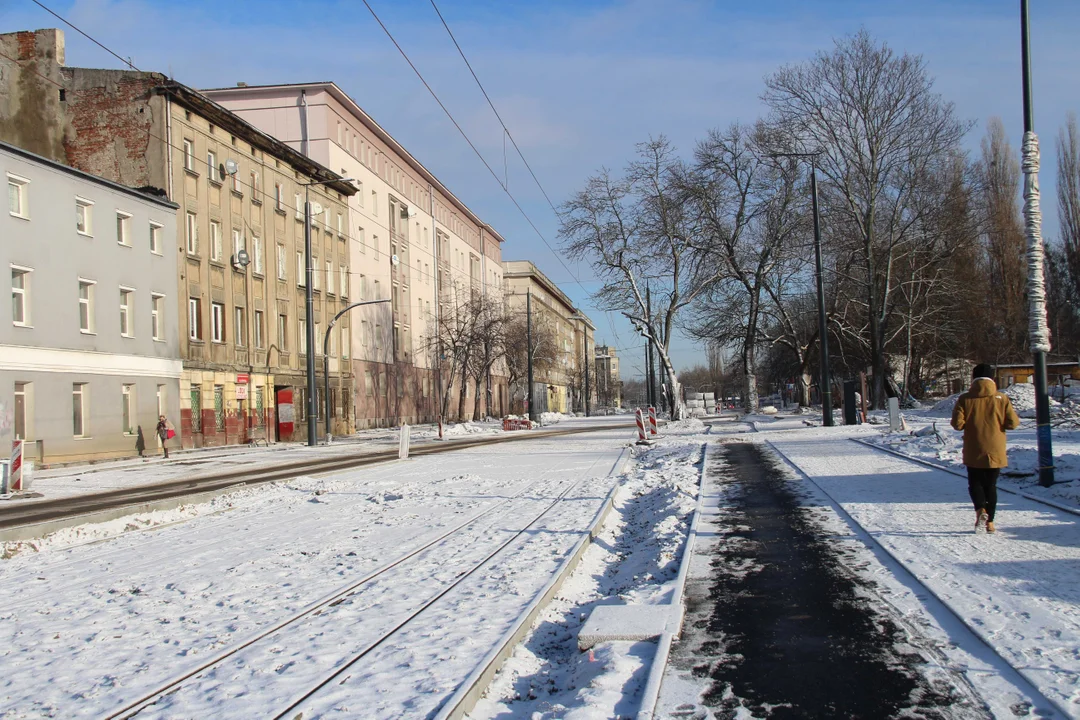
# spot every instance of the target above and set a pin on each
(151, 698)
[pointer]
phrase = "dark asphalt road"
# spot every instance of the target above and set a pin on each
(783, 629)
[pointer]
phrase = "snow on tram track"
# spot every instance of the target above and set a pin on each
(322, 612)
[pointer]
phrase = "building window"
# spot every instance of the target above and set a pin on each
(256, 184)
(333, 343)
(192, 234)
(340, 224)
(155, 238)
(343, 281)
(279, 197)
(127, 321)
(84, 220)
(215, 240)
(130, 413)
(318, 338)
(23, 393)
(301, 271)
(195, 331)
(17, 200)
(162, 400)
(298, 205)
(237, 243)
(212, 166)
(258, 329)
(80, 409)
(196, 408)
(217, 322)
(240, 330)
(360, 239)
(257, 254)
(329, 277)
(283, 332)
(219, 407)
(189, 155)
(86, 306)
(316, 276)
(123, 228)
(302, 336)
(375, 203)
(20, 296)
(260, 406)
(282, 273)
(157, 316)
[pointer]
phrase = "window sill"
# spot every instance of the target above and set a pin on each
(83, 437)
(280, 212)
(191, 173)
(160, 340)
(84, 233)
(217, 342)
(237, 194)
(255, 200)
(157, 252)
(256, 273)
(87, 332)
(123, 244)
(17, 215)
(214, 183)
(196, 341)
(217, 263)
(194, 255)
(22, 325)
(127, 337)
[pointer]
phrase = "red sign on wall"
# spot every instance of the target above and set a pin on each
(242, 379)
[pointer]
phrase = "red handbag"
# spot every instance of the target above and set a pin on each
(171, 434)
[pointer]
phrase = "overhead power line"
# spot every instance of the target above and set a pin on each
(85, 35)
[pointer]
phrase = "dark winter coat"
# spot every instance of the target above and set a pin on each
(140, 442)
(984, 414)
(163, 430)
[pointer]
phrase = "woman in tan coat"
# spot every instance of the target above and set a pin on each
(984, 414)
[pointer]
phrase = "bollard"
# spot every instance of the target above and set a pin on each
(642, 440)
(403, 443)
(15, 468)
(652, 421)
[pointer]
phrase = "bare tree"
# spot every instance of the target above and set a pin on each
(544, 348)
(1068, 190)
(488, 344)
(636, 233)
(883, 134)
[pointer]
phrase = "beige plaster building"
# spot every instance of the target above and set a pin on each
(410, 239)
(558, 386)
(240, 194)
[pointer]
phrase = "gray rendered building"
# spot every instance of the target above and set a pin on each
(89, 340)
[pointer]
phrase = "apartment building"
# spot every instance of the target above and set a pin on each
(91, 352)
(411, 240)
(240, 277)
(558, 385)
(608, 381)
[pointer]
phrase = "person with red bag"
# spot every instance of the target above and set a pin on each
(165, 432)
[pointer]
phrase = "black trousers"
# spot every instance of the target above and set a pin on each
(982, 486)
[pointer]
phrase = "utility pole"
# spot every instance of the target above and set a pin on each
(529, 354)
(823, 326)
(309, 325)
(1036, 290)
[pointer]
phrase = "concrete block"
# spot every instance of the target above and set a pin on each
(623, 622)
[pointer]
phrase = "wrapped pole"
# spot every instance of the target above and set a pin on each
(1038, 331)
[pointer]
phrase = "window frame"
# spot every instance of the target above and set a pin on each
(257, 251)
(155, 237)
(82, 390)
(21, 186)
(217, 323)
(212, 167)
(195, 329)
(127, 311)
(189, 155)
(257, 330)
(23, 291)
(123, 228)
(157, 316)
(88, 301)
(191, 233)
(240, 326)
(88, 216)
(215, 241)
(130, 408)
(282, 259)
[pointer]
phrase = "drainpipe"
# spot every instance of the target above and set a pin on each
(304, 124)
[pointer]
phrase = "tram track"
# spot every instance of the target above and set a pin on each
(446, 561)
(38, 512)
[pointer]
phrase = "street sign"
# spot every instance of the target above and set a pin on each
(241, 392)
(242, 379)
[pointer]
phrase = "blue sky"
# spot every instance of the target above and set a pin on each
(577, 82)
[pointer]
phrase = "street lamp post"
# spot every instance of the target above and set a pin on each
(1037, 328)
(326, 355)
(309, 309)
(823, 327)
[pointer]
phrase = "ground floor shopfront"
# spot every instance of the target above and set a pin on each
(229, 408)
(69, 406)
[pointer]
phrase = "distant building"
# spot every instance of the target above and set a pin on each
(558, 387)
(240, 192)
(91, 352)
(608, 382)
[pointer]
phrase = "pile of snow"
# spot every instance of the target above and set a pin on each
(467, 428)
(551, 418)
(944, 408)
(1023, 399)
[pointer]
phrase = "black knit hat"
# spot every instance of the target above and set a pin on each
(982, 370)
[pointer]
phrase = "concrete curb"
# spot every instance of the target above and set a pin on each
(474, 687)
(42, 530)
(651, 694)
(957, 473)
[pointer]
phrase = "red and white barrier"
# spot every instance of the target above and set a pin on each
(15, 469)
(640, 426)
(516, 424)
(652, 421)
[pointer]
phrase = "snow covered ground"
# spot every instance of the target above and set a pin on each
(94, 616)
